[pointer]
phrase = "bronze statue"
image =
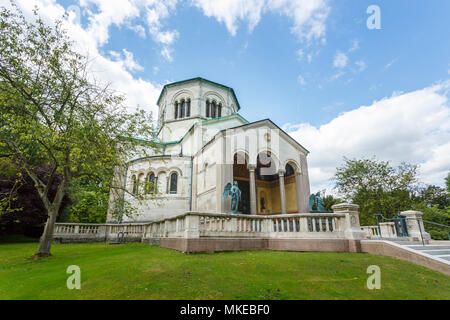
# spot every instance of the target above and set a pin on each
(315, 200)
(236, 195)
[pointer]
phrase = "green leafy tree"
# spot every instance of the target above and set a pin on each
(433, 196)
(447, 182)
(90, 202)
(376, 187)
(54, 114)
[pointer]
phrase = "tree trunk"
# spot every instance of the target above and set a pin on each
(47, 237)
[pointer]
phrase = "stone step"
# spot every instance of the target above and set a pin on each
(447, 257)
(429, 247)
(437, 252)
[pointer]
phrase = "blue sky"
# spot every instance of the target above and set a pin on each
(307, 65)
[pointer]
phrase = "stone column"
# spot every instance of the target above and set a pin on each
(253, 204)
(305, 188)
(352, 228)
(282, 192)
(415, 225)
(298, 183)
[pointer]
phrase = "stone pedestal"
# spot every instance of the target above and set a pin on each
(415, 225)
(191, 227)
(352, 228)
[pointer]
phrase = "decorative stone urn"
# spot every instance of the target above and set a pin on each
(415, 225)
(352, 227)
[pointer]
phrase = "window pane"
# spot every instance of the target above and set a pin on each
(207, 109)
(213, 110)
(173, 183)
(188, 108)
(183, 109)
(176, 110)
(152, 180)
(219, 111)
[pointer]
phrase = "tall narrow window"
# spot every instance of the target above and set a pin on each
(153, 182)
(183, 109)
(207, 108)
(188, 113)
(176, 110)
(219, 111)
(174, 183)
(213, 110)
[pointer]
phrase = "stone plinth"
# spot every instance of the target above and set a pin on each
(352, 228)
(415, 225)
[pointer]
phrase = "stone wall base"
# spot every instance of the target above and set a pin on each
(210, 245)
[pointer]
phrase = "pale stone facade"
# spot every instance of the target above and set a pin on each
(204, 145)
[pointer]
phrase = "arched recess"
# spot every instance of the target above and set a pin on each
(291, 187)
(268, 184)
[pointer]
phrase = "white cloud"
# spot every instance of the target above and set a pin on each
(300, 54)
(387, 66)
(308, 16)
(114, 68)
(355, 46)
(301, 80)
(140, 30)
(128, 61)
(412, 127)
(361, 65)
(340, 60)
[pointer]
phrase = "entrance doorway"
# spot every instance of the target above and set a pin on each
(242, 176)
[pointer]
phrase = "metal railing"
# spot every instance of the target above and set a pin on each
(439, 225)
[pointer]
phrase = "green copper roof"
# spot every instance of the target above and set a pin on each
(199, 79)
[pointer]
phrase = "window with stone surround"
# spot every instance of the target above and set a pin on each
(174, 183)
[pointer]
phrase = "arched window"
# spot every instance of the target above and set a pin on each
(174, 183)
(183, 109)
(134, 181)
(289, 170)
(176, 110)
(219, 111)
(153, 182)
(188, 108)
(213, 110)
(207, 108)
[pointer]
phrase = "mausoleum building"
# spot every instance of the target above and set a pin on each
(204, 144)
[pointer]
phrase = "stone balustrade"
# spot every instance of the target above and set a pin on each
(79, 232)
(416, 229)
(338, 225)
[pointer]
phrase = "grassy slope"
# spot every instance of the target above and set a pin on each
(138, 271)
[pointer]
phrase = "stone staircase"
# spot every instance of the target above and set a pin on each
(438, 251)
(434, 250)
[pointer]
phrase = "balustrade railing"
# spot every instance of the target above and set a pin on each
(196, 225)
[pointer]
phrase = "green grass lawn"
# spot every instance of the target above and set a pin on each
(138, 271)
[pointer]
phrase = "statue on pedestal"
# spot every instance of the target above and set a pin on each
(236, 195)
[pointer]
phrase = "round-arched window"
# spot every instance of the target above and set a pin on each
(153, 182)
(174, 183)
